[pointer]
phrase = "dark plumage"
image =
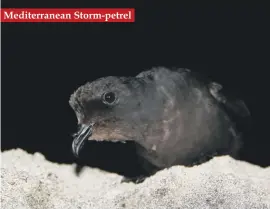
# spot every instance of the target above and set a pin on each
(174, 117)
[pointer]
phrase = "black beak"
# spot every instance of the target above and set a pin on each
(84, 132)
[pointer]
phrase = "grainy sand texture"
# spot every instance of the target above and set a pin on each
(31, 182)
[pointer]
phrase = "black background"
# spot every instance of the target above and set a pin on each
(43, 63)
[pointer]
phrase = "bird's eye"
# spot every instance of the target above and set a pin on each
(109, 98)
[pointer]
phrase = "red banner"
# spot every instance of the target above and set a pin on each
(68, 15)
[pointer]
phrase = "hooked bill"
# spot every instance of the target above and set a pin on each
(84, 132)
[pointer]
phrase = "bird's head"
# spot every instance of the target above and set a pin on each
(107, 109)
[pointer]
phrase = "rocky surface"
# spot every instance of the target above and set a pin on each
(32, 182)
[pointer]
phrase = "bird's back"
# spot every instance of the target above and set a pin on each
(192, 124)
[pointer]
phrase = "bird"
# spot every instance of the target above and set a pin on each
(174, 116)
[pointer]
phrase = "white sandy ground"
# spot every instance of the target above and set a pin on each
(31, 182)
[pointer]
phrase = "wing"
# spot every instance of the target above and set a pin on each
(235, 108)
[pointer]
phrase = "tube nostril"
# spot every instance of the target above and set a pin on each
(84, 132)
